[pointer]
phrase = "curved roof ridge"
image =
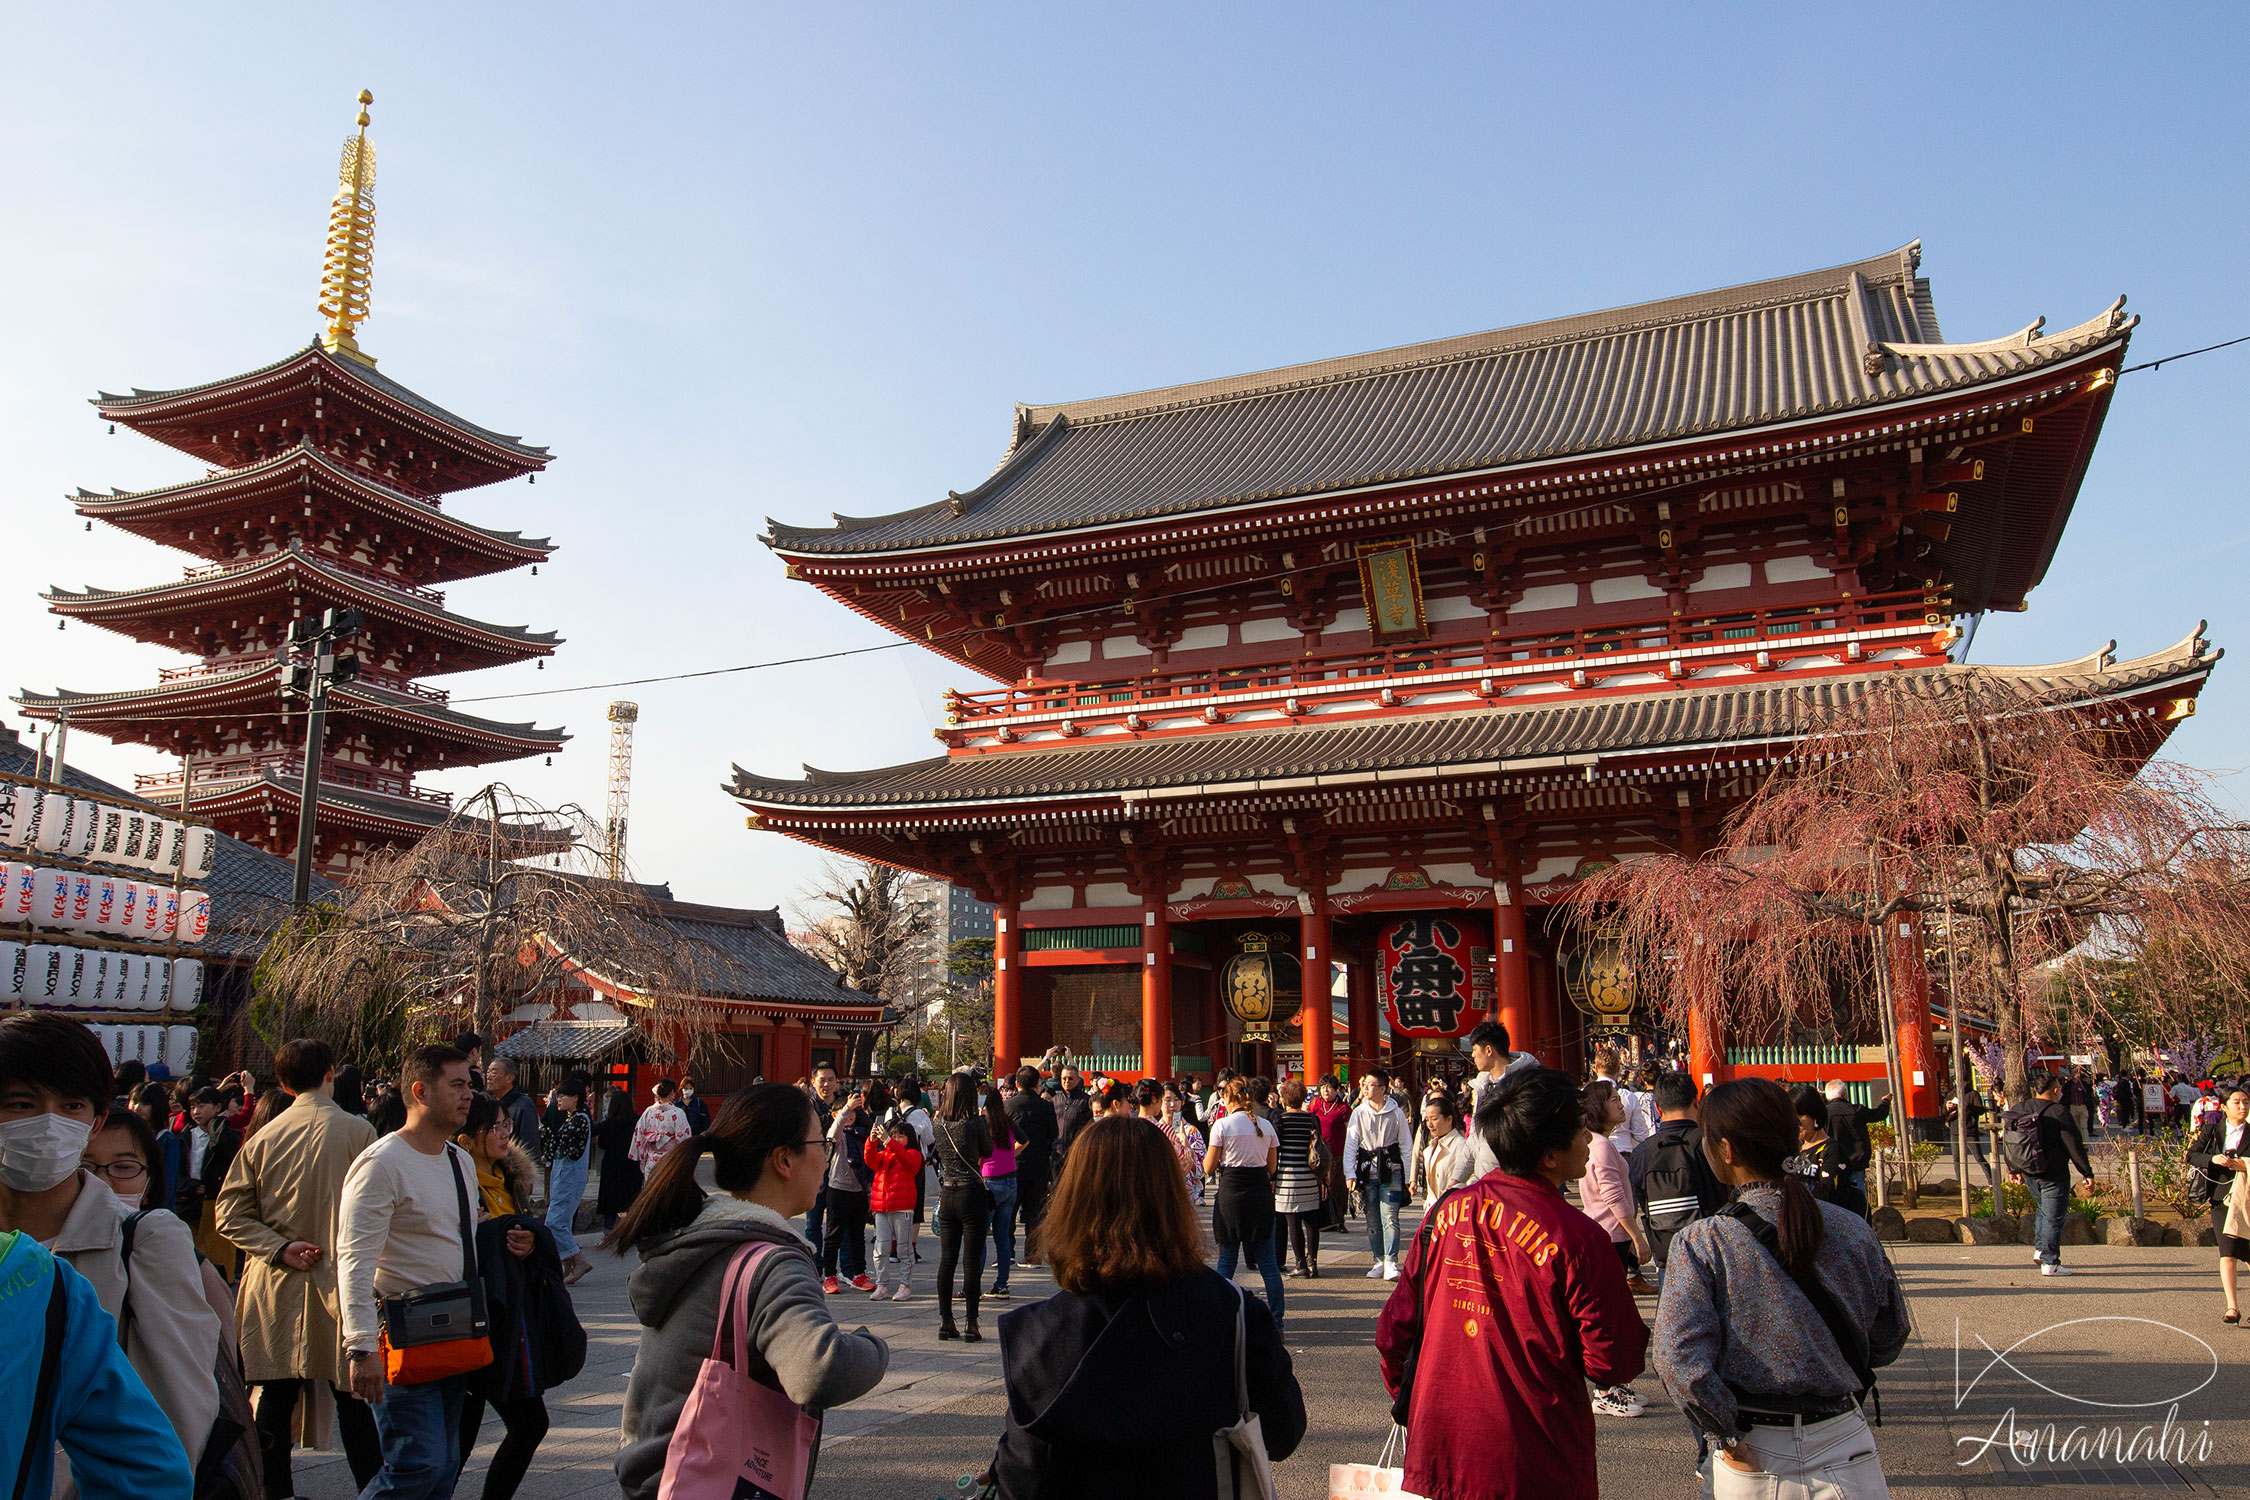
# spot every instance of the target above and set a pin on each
(94, 593)
(85, 499)
(1893, 268)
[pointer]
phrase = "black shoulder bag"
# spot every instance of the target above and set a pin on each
(1849, 1342)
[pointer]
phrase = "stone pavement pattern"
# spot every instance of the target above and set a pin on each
(938, 1411)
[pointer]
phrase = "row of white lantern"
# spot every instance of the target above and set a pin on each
(173, 1046)
(141, 838)
(84, 901)
(53, 974)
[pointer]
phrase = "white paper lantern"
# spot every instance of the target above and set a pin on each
(203, 852)
(43, 979)
(179, 1050)
(187, 983)
(53, 822)
(14, 968)
(107, 896)
(136, 832)
(81, 917)
(168, 926)
(16, 889)
(50, 903)
(154, 899)
(195, 916)
(12, 798)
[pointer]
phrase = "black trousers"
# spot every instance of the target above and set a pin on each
(1032, 1186)
(276, 1404)
(964, 1213)
(526, 1422)
(1304, 1234)
(847, 1234)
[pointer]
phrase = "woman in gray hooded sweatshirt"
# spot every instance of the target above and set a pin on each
(768, 1157)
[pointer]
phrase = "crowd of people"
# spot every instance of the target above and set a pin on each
(201, 1275)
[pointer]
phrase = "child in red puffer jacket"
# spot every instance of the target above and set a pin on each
(893, 1156)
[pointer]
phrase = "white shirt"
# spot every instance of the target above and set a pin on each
(1244, 1139)
(399, 1227)
(1370, 1130)
(1640, 1119)
(2232, 1146)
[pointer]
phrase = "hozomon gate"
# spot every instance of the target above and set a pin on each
(1376, 656)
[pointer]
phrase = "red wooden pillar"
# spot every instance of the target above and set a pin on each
(1007, 989)
(1318, 1013)
(1511, 953)
(1910, 1019)
(1156, 990)
(1707, 1049)
(1546, 1013)
(1364, 1035)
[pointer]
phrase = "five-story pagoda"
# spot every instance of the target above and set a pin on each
(325, 490)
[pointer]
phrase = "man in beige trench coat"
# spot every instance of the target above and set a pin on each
(279, 1204)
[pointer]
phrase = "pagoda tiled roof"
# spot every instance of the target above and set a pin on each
(120, 506)
(192, 694)
(181, 596)
(383, 813)
(1771, 353)
(1579, 729)
(340, 371)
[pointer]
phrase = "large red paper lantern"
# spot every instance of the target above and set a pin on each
(1426, 975)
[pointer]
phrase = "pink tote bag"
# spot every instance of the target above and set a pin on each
(737, 1438)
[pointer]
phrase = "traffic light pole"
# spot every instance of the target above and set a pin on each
(308, 789)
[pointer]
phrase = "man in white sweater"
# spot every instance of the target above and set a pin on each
(400, 1227)
(1376, 1140)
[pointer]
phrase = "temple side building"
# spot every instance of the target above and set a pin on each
(325, 486)
(1368, 661)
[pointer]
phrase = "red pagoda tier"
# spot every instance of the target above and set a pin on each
(1362, 664)
(326, 492)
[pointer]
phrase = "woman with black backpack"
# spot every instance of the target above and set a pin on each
(1775, 1313)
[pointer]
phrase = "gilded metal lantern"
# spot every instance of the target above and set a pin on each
(1262, 985)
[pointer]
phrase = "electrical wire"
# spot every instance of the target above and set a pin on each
(2158, 364)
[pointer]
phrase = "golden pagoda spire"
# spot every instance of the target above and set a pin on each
(349, 268)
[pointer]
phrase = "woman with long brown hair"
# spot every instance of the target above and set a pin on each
(1117, 1383)
(1776, 1312)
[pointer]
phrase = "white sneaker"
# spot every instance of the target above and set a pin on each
(901, 1294)
(2054, 1268)
(1390, 1270)
(881, 1291)
(1606, 1403)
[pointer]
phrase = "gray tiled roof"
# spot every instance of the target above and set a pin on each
(1817, 344)
(1477, 740)
(305, 455)
(249, 888)
(350, 370)
(347, 694)
(570, 1041)
(745, 954)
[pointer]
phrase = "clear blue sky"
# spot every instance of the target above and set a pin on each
(746, 260)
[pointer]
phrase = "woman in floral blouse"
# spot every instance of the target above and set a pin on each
(1186, 1140)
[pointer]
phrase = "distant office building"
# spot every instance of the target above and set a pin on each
(952, 914)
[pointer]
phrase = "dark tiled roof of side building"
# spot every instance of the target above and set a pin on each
(744, 953)
(249, 888)
(1478, 740)
(1817, 344)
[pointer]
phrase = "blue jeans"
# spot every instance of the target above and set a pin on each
(566, 1184)
(2049, 1197)
(1003, 1190)
(1382, 1191)
(420, 1426)
(1269, 1266)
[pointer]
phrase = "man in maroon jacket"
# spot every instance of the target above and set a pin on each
(1510, 1302)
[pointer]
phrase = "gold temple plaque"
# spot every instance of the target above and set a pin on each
(1390, 579)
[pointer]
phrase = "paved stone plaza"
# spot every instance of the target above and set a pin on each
(2137, 1328)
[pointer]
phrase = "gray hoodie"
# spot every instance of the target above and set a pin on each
(675, 1294)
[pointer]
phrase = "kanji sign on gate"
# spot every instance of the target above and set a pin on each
(1425, 973)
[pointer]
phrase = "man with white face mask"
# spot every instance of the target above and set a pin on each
(54, 1087)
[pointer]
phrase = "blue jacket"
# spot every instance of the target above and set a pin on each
(120, 1444)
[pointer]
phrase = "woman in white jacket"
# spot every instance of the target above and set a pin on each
(54, 1095)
